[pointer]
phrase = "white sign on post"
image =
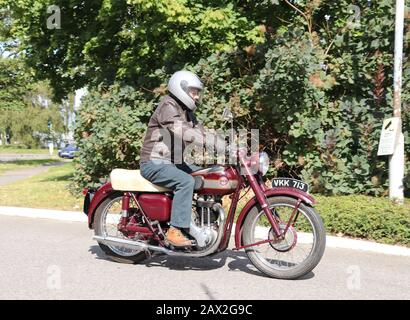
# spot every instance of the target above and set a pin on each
(51, 148)
(389, 136)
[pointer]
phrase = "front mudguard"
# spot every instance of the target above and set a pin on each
(289, 192)
(102, 193)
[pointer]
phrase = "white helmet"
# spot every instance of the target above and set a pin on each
(180, 84)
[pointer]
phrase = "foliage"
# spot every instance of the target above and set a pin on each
(25, 104)
(318, 90)
(366, 217)
(109, 130)
(136, 37)
(30, 125)
(317, 85)
(15, 81)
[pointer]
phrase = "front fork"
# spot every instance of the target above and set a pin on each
(259, 189)
(260, 196)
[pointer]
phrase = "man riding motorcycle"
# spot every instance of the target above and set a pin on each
(165, 165)
(268, 226)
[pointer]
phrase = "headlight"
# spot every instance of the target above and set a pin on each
(263, 163)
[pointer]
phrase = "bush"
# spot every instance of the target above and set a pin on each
(365, 217)
(109, 131)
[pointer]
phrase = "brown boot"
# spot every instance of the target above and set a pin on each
(175, 237)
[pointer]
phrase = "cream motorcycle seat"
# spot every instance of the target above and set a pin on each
(131, 180)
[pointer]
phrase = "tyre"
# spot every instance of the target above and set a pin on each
(301, 249)
(106, 219)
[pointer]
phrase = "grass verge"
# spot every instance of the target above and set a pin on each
(46, 190)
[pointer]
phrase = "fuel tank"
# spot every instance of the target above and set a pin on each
(217, 180)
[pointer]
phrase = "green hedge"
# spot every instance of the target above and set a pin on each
(360, 217)
(366, 217)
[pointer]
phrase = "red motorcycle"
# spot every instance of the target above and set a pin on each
(278, 228)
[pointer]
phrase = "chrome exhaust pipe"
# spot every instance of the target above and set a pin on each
(129, 244)
(139, 245)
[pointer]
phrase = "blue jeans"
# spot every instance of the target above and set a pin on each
(177, 178)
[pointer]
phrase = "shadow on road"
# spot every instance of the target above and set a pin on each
(238, 261)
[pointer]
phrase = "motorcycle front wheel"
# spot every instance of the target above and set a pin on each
(301, 249)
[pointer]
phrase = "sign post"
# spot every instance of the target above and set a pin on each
(50, 143)
(51, 148)
(396, 160)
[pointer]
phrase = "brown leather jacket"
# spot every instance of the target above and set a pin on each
(170, 130)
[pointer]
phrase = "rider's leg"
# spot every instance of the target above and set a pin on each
(169, 176)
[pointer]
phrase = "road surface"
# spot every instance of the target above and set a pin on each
(48, 259)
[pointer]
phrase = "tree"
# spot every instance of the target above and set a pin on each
(25, 104)
(107, 41)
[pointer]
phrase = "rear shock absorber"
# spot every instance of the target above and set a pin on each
(125, 205)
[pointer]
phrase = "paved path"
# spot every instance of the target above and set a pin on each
(48, 259)
(11, 176)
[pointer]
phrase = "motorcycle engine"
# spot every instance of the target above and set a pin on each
(204, 222)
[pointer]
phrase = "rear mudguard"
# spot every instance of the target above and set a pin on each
(289, 192)
(103, 192)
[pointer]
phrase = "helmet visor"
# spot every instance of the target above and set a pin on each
(196, 94)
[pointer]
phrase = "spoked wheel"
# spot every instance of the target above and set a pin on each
(298, 252)
(106, 220)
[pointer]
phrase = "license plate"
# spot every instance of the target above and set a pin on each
(290, 183)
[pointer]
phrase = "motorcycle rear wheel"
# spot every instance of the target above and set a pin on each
(111, 207)
(276, 259)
